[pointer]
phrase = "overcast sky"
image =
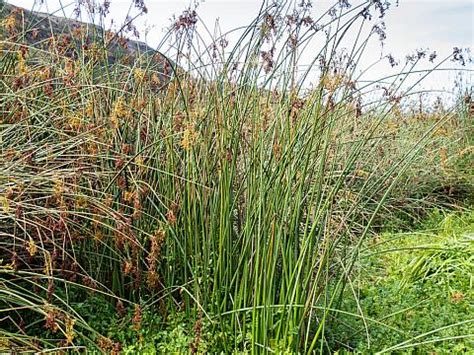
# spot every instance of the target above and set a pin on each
(436, 24)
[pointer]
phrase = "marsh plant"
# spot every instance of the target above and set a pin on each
(220, 181)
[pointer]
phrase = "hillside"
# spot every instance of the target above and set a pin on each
(72, 38)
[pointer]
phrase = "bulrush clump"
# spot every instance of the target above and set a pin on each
(120, 308)
(233, 184)
(267, 59)
(105, 344)
(119, 112)
(69, 330)
(51, 321)
(137, 318)
(190, 136)
(194, 346)
(171, 217)
(469, 101)
(154, 253)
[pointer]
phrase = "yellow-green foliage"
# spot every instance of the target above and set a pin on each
(415, 290)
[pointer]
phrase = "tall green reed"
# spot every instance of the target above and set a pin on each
(232, 192)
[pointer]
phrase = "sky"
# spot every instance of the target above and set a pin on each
(438, 25)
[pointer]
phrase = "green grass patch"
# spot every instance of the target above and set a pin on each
(415, 290)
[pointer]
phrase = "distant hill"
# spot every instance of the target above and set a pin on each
(40, 30)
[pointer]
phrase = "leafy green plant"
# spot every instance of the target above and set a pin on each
(415, 290)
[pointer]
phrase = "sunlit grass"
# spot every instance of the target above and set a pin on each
(418, 286)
